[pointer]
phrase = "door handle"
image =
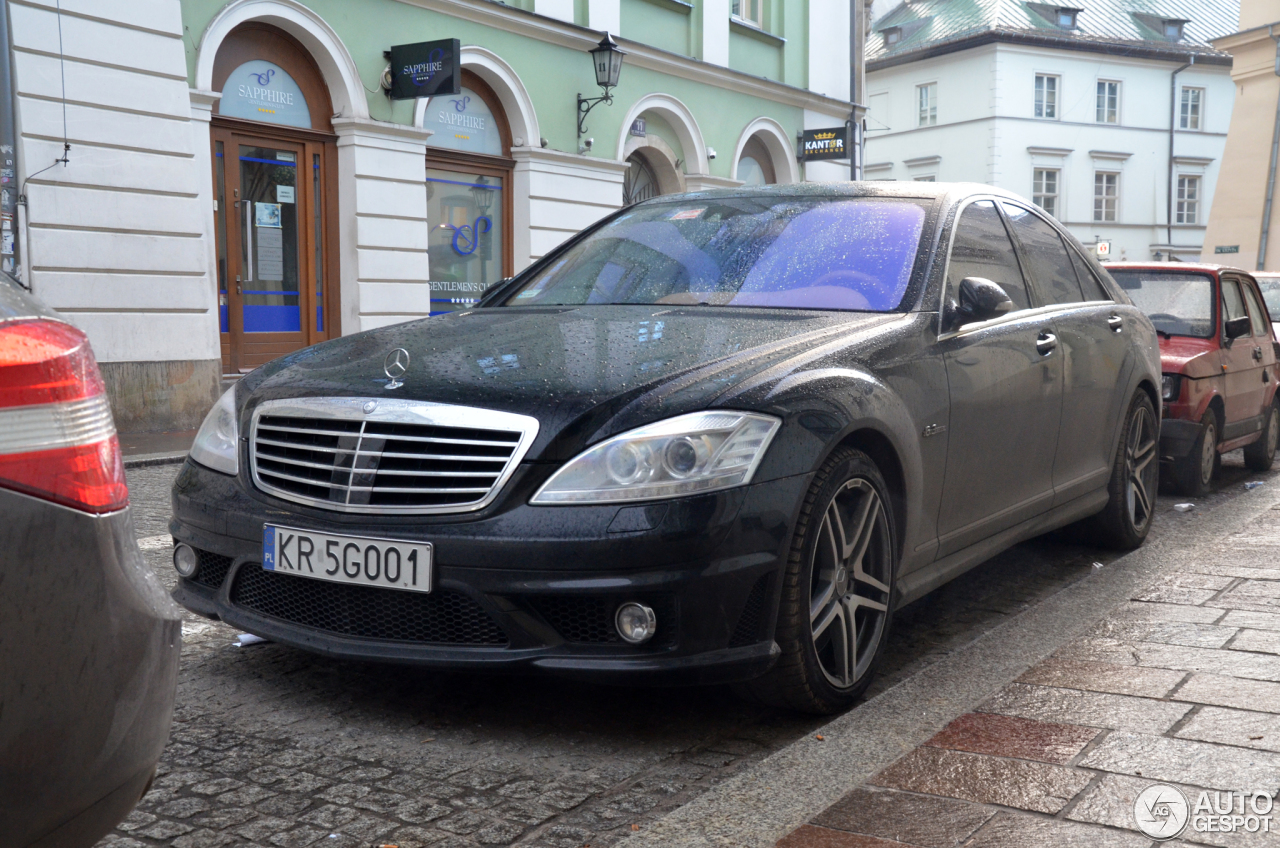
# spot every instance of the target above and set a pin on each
(1116, 323)
(238, 284)
(1046, 343)
(1257, 354)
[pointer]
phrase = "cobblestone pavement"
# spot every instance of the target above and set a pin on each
(1180, 685)
(276, 747)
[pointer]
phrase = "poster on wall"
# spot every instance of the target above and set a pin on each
(425, 69)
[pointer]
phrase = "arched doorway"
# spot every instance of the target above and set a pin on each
(275, 193)
(755, 165)
(640, 182)
(469, 204)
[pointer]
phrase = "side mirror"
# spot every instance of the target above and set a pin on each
(980, 300)
(1237, 327)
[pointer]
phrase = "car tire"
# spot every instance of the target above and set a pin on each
(837, 593)
(1193, 474)
(1125, 521)
(1260, 455)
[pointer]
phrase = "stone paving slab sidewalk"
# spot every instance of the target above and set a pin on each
(1179, 685)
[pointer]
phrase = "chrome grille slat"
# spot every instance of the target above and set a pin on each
(391, 436)
(400, 457)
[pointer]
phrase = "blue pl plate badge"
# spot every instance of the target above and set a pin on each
(268, 547)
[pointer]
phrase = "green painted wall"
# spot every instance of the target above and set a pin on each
(665, 26)
(552, 74)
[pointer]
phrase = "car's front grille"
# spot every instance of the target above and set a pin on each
(441, 617)
(588, 619)
(399, 457)
(211, 568)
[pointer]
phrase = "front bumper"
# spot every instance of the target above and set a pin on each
(1177, 436)
(516, 587)
(88, 671)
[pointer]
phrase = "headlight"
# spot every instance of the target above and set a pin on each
(1170, 386)
(685, 455)
(215, 444)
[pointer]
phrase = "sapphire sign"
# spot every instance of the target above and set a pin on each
(425, 69)
(830, 143)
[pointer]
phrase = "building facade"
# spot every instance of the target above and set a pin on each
(1241, 232)
(1113, 116)
(239, 185)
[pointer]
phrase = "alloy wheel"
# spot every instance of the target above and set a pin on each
(1141, 466)
(849, 595)
(1273, 432)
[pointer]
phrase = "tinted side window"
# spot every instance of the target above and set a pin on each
(1089, 285)
(982, 249)
(1049, 264)
(1257, 315)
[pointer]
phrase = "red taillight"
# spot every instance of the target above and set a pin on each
(57, 439)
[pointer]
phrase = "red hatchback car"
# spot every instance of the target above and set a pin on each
(1218, 355)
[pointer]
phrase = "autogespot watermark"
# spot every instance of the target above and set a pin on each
(1163, 812)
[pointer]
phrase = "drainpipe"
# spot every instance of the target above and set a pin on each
(9, 212)
(1173, 123)
(1271, 171)
(857, 67)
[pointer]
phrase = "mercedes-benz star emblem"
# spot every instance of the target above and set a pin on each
(370, 406)
(395, 365)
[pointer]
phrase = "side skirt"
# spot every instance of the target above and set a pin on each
(925, 580)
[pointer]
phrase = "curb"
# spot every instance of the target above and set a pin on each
(758, 806)
(147, 460)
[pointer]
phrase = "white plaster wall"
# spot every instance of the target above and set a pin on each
(561, 9)
(715, 31)
(565, 194)
(117, 239)
(383, 206)
(986, 124)
(829, 48)
(605, 15)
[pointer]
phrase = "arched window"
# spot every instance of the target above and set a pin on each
(755, 165)
(469, 204)
(639, 183)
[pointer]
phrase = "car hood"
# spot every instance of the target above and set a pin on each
(1191, 357)
(584, 372)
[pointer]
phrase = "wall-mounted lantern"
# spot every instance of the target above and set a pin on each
(607, 60)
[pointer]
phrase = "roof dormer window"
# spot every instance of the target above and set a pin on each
(892, 36)
(1067, 18)
(1173, 29)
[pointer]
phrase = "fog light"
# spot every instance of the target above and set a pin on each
(636, 623)
(185, 561)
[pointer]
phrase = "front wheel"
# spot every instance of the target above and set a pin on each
(1125, 521)
(1260, 455)
(1193, 473)
(837, 592)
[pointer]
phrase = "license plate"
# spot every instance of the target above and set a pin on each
(387, 563)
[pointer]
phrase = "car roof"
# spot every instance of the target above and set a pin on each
(907, 189)
(1203, 267)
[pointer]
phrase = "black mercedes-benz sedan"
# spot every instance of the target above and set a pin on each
(715, 437)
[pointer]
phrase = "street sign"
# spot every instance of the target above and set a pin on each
(1227, 248)
(425, 69)
(832, 143)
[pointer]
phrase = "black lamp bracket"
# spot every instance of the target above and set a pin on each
(586, 104)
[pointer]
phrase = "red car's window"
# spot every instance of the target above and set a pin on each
(1179, 303)
(1257, 315)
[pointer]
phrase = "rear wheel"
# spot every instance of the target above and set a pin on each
(837, 591)
(1260, 455)
(1126, 519)
(1193, 473)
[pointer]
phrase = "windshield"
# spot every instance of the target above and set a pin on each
(1271, 295)
(1178, 303)
(764, 251)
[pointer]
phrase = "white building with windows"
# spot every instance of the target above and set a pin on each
(1112, 115)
